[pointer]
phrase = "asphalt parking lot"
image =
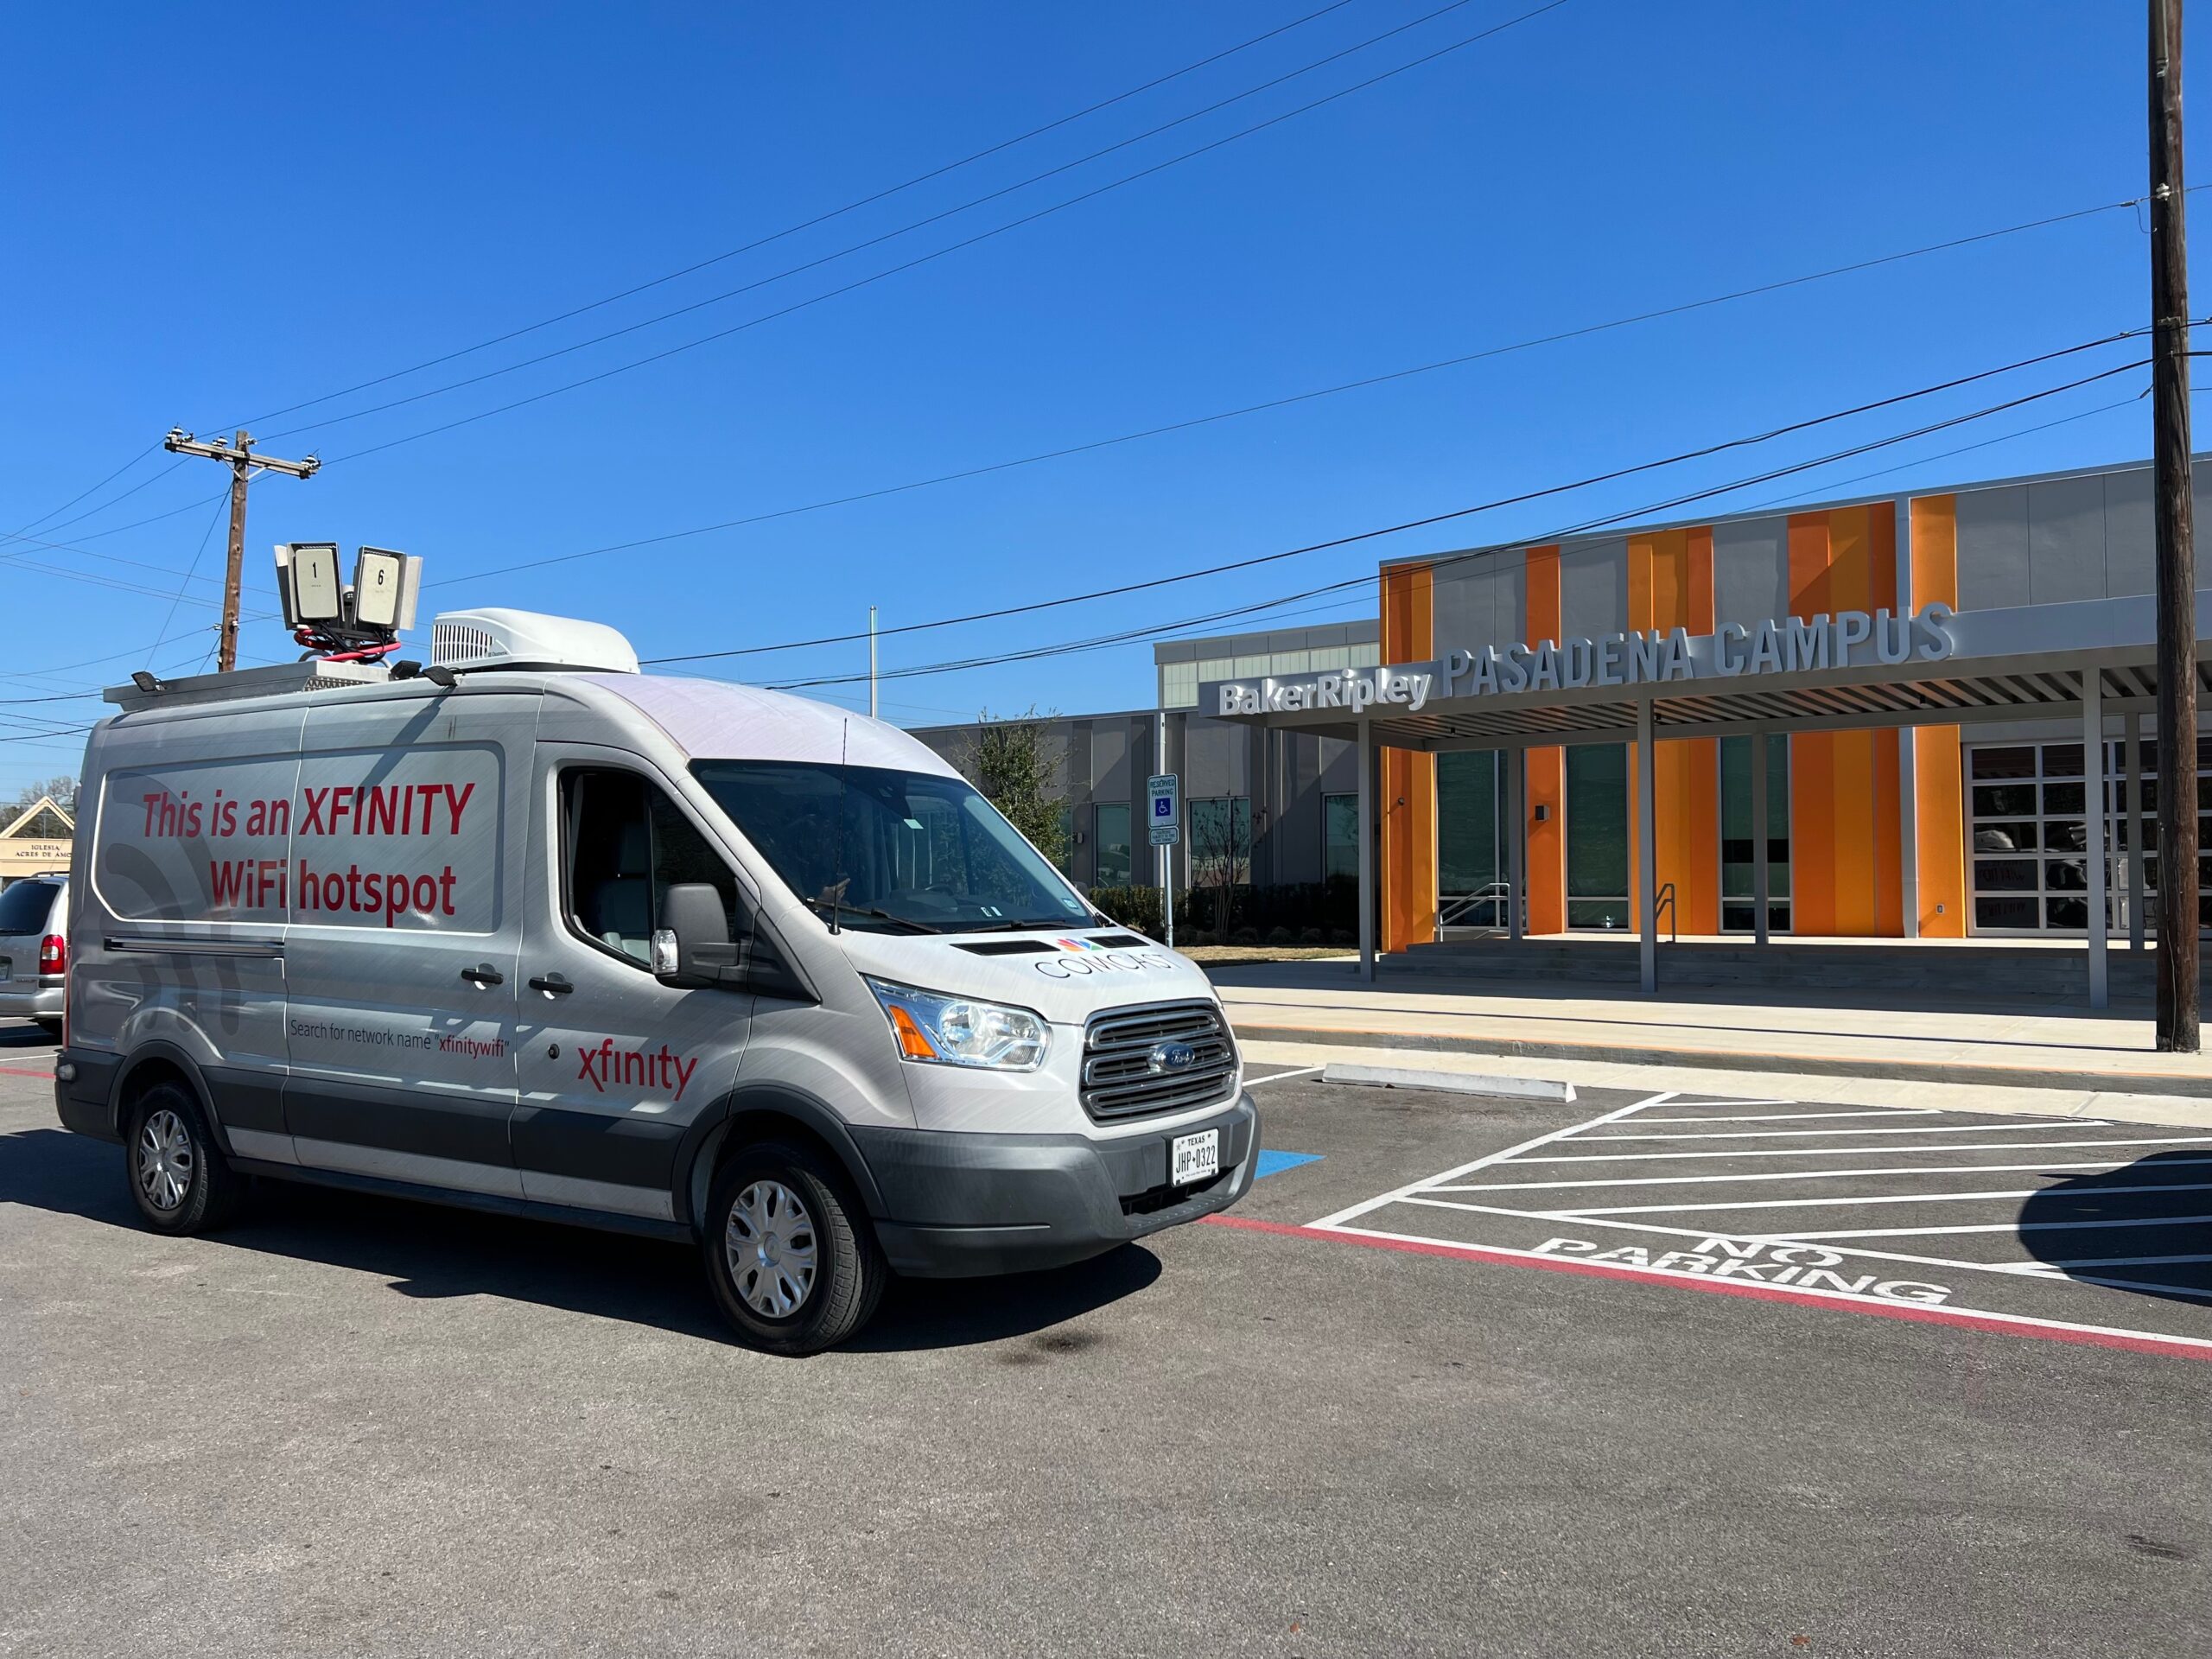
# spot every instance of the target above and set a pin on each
(1500, 1400)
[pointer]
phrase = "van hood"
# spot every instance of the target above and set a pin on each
(1064, 977)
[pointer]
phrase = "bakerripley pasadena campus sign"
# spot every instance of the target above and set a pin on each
(1779, 646)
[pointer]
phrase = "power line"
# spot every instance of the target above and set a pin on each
(804, 225)
(1155, 630)
(1519, 498)
(886, 236)
(34, 523)
(956, 247)
(1582, 331)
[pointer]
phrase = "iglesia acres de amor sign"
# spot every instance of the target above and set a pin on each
(1779, 646)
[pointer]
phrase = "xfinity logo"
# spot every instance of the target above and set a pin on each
(656, 1069)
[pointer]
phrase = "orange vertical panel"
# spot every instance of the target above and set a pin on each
(1939, 788)
(1671, 586)
(1888, 839)
(1546, 877)
(1408, 909)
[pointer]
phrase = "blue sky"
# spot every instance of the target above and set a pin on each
(207, 224)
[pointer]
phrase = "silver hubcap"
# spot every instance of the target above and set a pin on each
(166, 1159)
(771, 1248)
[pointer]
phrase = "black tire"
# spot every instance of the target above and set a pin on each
(211, 1189)
(849, 1268)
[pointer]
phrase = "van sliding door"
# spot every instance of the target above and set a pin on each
(401, 958)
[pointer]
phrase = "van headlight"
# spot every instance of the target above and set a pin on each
(960, 1030)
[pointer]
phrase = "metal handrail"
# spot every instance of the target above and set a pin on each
(1666, 901)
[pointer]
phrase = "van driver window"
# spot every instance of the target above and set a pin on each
(626, 844)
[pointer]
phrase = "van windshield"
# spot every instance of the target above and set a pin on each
(918, 852)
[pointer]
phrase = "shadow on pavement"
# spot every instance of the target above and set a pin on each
(2108, 1225)
(22, 1036)
(430, 1250)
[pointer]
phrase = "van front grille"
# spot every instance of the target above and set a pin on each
(1119, 1075)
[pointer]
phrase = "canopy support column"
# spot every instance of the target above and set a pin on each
(2093, 755)
(1647, 852)
(1516, 839)
(1367, 871)
(1762, 877)
(2134, 733)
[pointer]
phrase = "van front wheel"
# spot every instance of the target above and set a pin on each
(792, 1260)
(178, 1178)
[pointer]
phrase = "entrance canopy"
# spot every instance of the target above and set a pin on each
(1790, 674)
(1846, 671)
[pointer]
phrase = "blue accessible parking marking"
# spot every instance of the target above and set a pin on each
(1273, 1163)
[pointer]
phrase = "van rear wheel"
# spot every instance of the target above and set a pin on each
(791, 1258)
(177, 1176)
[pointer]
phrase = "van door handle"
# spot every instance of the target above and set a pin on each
(483, 974)
(554, 984)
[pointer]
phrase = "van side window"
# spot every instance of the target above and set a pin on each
(625, 844)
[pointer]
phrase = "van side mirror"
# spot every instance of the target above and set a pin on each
(692, 948)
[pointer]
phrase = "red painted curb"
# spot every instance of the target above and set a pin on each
(18, 1071)
(2007, 1325)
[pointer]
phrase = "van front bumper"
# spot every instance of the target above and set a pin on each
(959, 1204)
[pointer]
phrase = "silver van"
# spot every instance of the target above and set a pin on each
(34, 948)
(531, 931)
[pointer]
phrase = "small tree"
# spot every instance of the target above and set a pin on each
(62, 789)
(1220, 860)
(1015, 768)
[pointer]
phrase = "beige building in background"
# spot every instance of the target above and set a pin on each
(35, 841)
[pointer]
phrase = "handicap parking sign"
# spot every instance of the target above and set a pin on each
(1166, 791)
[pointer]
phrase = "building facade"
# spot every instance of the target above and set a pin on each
(1275, 808)
(1923, 715)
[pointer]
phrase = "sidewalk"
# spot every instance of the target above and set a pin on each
(1848, 1045)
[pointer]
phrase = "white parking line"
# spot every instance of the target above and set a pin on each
(1853, 1152)
(1397, 1193)
(1281, 1077)
(1792, 1117)
(1890, 1198)
(1995, 1227)
(1776, 1134)
(2105, 1164)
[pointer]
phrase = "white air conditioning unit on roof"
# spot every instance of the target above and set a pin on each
(503, 639)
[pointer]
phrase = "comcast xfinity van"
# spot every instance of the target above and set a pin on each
(532, 931)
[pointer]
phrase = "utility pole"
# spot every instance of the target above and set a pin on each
(871, 662)
(2176, 547)
(238, 456)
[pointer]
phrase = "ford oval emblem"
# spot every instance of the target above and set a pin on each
(1171, 1057)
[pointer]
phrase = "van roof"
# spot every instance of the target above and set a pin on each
(714, 720)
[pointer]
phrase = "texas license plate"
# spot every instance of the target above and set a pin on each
(1194, 1157)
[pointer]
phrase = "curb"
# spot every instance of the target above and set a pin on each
(1724, 1059)
(1457, 1082)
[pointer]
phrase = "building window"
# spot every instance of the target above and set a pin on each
(1340, 836)
(1179, 685)
(2028, 836)
(1290, 662)
(1470, 889)
(1066, 863)
(1739, 872)
(1251, 668)
(1597, 836)
(1221, 842)
(1212, 668)
(1109, 831)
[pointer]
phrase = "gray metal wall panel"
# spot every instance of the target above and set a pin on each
(1215, 756)
(1466, 606)
(1512, 597)
(1593, 588)
(2129, 556)
(1110, 761)
(1993, 567)
(1751, 571)
(2065, 540)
